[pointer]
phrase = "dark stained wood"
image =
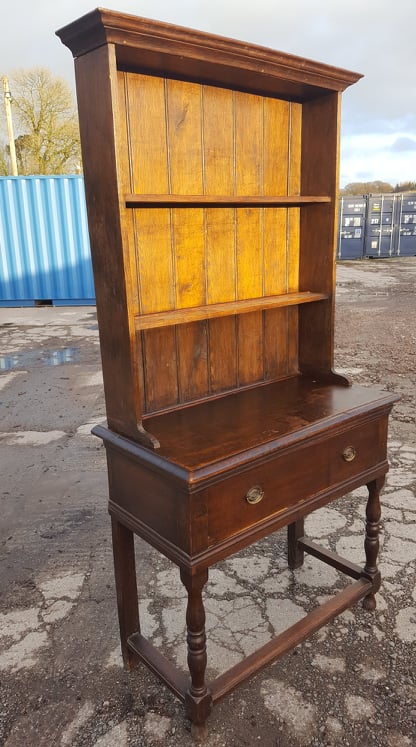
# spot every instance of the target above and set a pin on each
(193, 361)
(222, 354)
(371, 542)
(322, 553)
(295, 554)
(211, 172)
(320, 146)
(162, 48)
(96, 89)
(198, 699)
(176, 680)
(160, 368)
(259, 420)
(126, 588)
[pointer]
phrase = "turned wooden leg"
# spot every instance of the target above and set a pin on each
(126, 588)
(371, 542)
(295, 555)
(198, 700)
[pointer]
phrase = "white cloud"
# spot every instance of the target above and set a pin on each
(373, 38)
(365, 157)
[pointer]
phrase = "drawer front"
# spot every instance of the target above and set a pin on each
(241, 501)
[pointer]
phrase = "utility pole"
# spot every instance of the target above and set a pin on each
(7, 106)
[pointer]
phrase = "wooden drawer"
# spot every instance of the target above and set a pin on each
(292, 476)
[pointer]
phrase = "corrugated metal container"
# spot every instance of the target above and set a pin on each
(380, 233)
(352, 215)
(44, 243)
(406, 221)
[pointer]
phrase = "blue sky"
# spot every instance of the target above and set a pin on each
(373, 37)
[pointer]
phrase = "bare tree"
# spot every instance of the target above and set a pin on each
(46, 123)
(4, 161)
(365, 188)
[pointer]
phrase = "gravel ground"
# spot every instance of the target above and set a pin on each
(351, 684)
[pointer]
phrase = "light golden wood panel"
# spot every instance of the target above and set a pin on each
(184, 131)
(149, 172)
(219, 178)
(249, 180)
(190, 139)
(276, 156)
(294, 234)
(146, 117)
(184, 135)
(294, 188)
(147, 131)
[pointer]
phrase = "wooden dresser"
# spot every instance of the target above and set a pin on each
(211, 176)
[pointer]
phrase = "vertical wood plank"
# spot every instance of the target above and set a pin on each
(218, 126)
(192, 360)
(294, 185)
(294, 189)
(276, 154)
(147, 134)
(128, 222)
(155, 268)
(161, 377)
(184, 131)
(149, 168)
(156, 282)
(249, 181)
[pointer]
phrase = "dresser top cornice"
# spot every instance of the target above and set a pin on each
(165, 49)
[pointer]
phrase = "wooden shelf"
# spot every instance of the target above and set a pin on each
(136, 200)
(210, 311)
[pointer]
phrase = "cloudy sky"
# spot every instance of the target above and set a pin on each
(373, 37)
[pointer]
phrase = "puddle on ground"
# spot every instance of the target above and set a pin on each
(39, 357)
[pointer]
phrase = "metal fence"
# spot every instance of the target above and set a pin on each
(44, 244)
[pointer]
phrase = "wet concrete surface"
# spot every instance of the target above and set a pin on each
(351, 684)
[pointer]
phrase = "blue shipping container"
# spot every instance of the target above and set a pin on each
(44, 243)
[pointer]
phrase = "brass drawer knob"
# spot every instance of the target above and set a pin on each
(349, 454)
(254, 495)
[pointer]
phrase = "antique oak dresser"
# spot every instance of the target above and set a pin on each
(211, 175)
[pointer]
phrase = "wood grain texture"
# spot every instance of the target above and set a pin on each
(193, 258)
(220, 227)
(126, 588)
(257, 416)
(276, 180)
(212, 209)
(218, 310)
(184, 133)
(98, 106)
(320, 166)
(221, 200)
(250, 266)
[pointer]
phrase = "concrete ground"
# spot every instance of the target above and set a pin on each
(61, 681)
